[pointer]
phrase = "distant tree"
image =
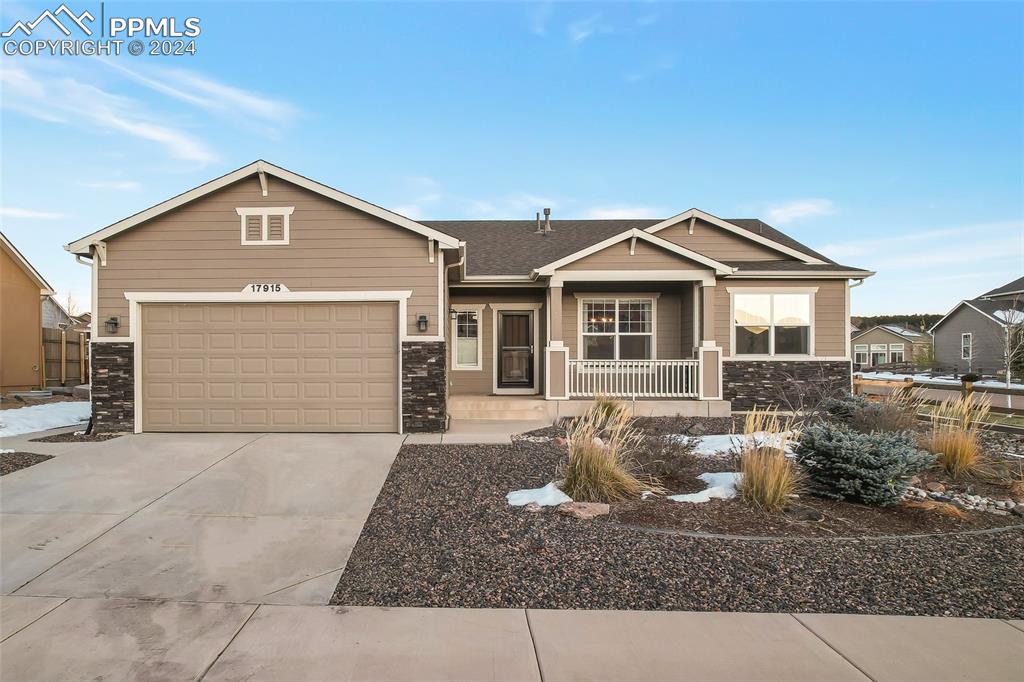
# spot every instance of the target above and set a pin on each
(920, 321)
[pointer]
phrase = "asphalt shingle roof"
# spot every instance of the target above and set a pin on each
(1015, 285)
(511, 247)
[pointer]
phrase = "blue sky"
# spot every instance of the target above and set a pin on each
(889, 136)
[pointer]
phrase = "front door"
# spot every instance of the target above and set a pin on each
(515, 349)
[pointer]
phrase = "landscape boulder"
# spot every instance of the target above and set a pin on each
(584, 510)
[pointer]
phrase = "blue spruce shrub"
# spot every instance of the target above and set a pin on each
(872, 468)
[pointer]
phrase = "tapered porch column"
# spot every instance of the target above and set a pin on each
(556, 354)
(709, 352)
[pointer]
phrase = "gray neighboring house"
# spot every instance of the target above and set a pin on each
(970, 337)
(55, 316)
(887, 344)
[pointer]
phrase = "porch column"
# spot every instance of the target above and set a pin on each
(556, 354)
(709, 353)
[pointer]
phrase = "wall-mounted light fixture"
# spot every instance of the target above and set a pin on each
(112, 324)
(453, 313)
(421, 323)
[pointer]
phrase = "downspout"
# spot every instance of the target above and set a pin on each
(447, 327)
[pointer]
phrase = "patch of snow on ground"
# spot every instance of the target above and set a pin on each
(548, 496)
(926, 379)
(719, 443)
(34, 418)
(7, 451)
(721, 486)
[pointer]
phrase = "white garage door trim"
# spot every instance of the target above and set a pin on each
(137, 298)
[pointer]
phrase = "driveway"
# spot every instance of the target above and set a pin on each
(267, 519)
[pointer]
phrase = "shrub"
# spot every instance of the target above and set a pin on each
(768, 478)
(970, 377)
(873, 468)
(609, 409)
(953, 438)
(895, 411)
(601, 466)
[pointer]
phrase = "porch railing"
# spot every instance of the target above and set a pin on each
(633, 378)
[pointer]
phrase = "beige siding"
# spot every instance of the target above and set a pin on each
(830, 321)
(668, 323)
(645, 256)
(331, 248)
(21, 328)
(714, 242)
(481, 382)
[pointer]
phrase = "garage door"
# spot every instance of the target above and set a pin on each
(270, 367)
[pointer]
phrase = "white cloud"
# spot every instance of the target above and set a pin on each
(119, 185)
(583, 29)
(409, 211)
(623, 211)
(210, 94)
(539, 16)
(13, 212)
(71, 102)
(781, 214)
(659, 65)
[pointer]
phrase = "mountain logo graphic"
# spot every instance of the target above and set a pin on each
(77, 20)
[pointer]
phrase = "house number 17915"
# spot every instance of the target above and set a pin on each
(266, 288)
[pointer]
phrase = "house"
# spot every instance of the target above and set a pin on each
(266, 301)
(22, 289)
(970, 337)
(55, 316)
(886, 344)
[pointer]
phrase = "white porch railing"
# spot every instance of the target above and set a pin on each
(633, 378)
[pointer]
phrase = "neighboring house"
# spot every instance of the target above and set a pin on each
(55, 316)
(22, 289)
(265, 301)
(970, 336)
(887, 344)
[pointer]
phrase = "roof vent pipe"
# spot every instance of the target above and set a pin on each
(539, 229)
(547, 220)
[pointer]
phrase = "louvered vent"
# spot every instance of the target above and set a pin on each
(275, 228)
(254, 228)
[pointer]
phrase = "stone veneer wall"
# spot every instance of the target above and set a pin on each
(424, 377)
(113, 386)
(763, 383)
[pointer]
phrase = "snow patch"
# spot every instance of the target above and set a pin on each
(7, 451)
(723, 443)
(548, 496)
(42, 417)
(721, 486)
(927, 379)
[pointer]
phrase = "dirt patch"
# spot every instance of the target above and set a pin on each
(441, 535)
(14, 461)
(72, 437)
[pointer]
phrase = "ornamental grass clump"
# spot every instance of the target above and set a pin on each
(601, 466)
(871, 468)
(956, 424)
(895, 411)
(769, 479)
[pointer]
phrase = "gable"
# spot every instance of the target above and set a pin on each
(645, 256)
(883, 335)
(17, 270)
(718, 243)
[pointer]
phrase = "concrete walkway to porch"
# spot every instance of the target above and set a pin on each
(55, 638)
(477, 431)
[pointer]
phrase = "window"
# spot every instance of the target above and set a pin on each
(772, 324)
(617, 329)
(265, 226)
(966, 346)
(896, 353)
(879, 354)
(860, 354)
(466, 333)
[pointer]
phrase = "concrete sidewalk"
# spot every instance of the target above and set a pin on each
(477, 431)
(175, 640)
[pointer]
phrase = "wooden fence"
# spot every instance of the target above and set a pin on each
(1001, 399)
(65, 358)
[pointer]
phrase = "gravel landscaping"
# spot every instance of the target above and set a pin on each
(441, 534)
(14, 461)
(75, 437)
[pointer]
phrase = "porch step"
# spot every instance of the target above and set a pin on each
(497, 408)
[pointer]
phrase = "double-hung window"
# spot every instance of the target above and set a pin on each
(466, 333)
(879, 354)
(860, 354)
(617, 328)
(896, 352)
(265, 226)
(772, 324)
(966, 346)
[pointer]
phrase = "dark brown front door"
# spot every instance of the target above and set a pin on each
(515, 349)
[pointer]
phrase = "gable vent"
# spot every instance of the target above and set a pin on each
(275, 228)
(254, 228)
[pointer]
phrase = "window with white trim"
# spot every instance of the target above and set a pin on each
(466, 333)
(896, 353)
(860, 354)
(966, 346)
(617, 329)
(879, 354)
(265, 225)
(772, 324)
